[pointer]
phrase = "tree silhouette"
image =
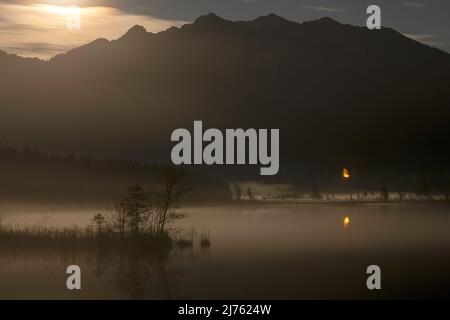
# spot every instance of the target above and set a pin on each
(250, 194)
(100, 221)
(135, 207)
(167, 198)
(237, 192)
(315, 193)
(120, 220)
(384, 194)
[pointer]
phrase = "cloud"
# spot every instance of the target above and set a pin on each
(414, 4)
(21, 25)
(323, 9)
(37, 48)
(428, 39)
(421, 37)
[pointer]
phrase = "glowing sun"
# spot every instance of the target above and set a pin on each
(72, 14)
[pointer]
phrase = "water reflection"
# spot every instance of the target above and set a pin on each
(133, 273)
(144, 276)
(256, 252)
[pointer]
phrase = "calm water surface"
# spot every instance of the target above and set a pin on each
(284, 251)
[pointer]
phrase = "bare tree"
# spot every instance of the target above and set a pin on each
(167, 197)
(139, 213)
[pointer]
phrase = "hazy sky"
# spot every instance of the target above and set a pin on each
(44, 28)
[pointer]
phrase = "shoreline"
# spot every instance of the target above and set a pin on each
(320, 202)
(53, 208)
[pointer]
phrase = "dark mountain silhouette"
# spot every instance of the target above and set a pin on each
(342, 95)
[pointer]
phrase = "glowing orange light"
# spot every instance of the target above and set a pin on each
(345, 173)
(346, 222)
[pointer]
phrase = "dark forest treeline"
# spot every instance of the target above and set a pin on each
(32, 175)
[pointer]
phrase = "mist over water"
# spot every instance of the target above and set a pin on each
(304, 150)
(282, 251)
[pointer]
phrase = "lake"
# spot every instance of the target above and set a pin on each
(267, 251)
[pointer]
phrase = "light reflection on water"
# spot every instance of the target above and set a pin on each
(273, 251)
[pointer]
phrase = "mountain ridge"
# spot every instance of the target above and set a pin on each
(340, 95)
(138, 32)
